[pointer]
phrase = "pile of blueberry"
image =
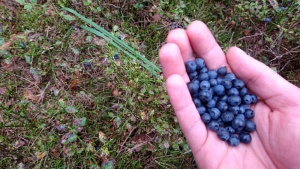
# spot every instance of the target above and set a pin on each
(222, 101)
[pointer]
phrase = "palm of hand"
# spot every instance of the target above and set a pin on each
(275, 143)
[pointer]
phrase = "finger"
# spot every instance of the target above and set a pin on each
(172, 62)
(205, 45)
(180, 38)
(263, 81)
(186, 112)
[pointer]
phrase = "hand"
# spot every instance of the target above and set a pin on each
(276, 141)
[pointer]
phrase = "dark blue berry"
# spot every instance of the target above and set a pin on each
(222, 71)
(238, 123)
(190, 66)
(223, 134)
(193, 75)
(267, 20)
(221, 123)
(219, 80)
(243, 91)
(213, 125)
(222, 106)
(204, 70)
(230, 129)
(227, 83)
(254, 98)
(197, 102)
(212, 103)
(203, 76)
(214, 113)
(247, 99)
(224, 98)
(204, 85)
(213, 82)
(205, 95)
(205, 118)
(219, 90)
(193, 87)
(227, 116)
(233, 140)
(250, 126)
(245, 137)
(200, 63)
(238, 83)
(233, 91)
(201, 110)
(249, 114)
(88, 64)
(282, 8)
(242, 109)
(240, 116)
(229, 76)
(212, 74)
(234, 109)
(216, 98)
(234, 100)
(116, 56)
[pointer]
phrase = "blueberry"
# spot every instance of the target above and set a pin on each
(213, 82)
(227, 116)
(221, 123)
(238, 83)
(216, 98)
(282, 8)
(227, 83)
(267, 20)
(213, 125)
(243, 91)
(193, 87)
(238, 123)
(242, 109)
(254, 98)
(222, 71)
(249, 114)
(250, 126)
(204, 70)
(201, 110)
(197, 102)
(116, 56)
(234, 109)
(229, 76)
(212, 103)
(212, 74)
(233, 140)
(230, 129)
(88, 64)
(214, 113)
(224, 98)
(193, 75)
(247, 99)
(205, 118)
(219, 90)
(205, 95)
(204, 85)
(234, 100)
(190, 66)
(222, 106)
(200, 63)
(223, 134)
(203, 76)
(240, 116)
(245, 137)
(219, 80)
(233, 91)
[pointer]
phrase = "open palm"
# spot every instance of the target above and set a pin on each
(276, 141)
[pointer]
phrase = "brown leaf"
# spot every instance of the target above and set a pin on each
(99, 41)
(2, 90)
(40, 155)
(156, 17)
(116, 92)
(29, 96)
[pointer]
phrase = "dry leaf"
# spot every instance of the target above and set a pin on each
(29, 96)
(156, 17)
(2, 90)
(40, 155)
(116, 92)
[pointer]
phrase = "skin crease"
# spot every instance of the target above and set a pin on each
(276, 141)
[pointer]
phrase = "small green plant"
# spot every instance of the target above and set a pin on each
(27, 5)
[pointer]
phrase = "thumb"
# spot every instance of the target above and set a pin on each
(263, 81)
